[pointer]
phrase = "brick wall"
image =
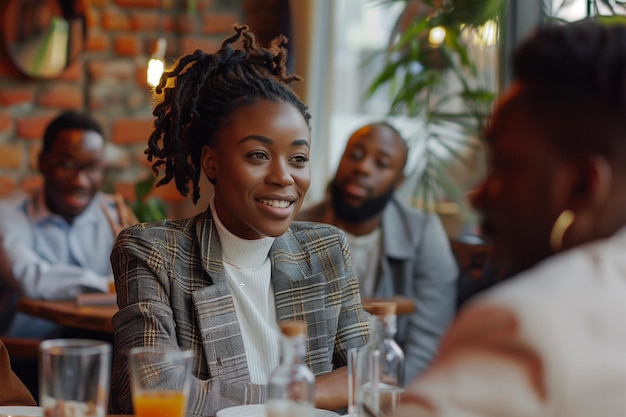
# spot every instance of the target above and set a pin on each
(109, 80)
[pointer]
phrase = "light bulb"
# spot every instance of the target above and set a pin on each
(155, 70)
(437, 35)
(156, 64)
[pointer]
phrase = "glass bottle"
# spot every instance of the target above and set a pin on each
(291, 386)
(380, 365)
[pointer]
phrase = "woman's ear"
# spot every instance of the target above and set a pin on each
(594, 185)
(209, 163)
(399, 181)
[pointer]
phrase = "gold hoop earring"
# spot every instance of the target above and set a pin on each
(562, 223)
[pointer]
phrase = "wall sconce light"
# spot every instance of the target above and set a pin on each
(437, 35)
(156, 65)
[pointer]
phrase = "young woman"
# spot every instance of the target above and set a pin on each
(220, 282)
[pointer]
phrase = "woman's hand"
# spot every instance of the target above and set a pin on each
(331, 389)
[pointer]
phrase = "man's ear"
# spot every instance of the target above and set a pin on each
(209, 164)
(42, 163)
(593, 186)
(399, 181)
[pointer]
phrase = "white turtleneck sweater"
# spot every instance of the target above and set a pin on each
(248, 271)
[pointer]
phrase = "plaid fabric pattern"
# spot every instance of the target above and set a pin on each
(173, 293)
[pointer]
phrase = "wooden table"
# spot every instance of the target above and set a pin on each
(69, 314)
(404, 305)
(98, 318)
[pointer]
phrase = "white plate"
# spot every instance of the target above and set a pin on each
(17, 410)
(259, 410)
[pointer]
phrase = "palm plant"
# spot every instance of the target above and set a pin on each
(447, 85)
(146, 207)
(441, 72)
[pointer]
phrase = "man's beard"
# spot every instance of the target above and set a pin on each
(350, 214)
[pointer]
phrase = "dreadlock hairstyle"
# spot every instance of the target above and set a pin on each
(201, 90)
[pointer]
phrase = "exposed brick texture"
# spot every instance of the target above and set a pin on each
(147, 20)
(141, 79)
(7, 185)
(132, 131)
(97, 41)
(107, 96)
(32, 127)
(198, 5)
(33, 156)
(109, 80)
(155, 4)
(61, 96)
(115, 20)
(168, 193)
(128, 45)
(31, 182)
(219, 23)
(11, 155)
(138, 100)
(103, 70)
(191, 43)
(74, 72)
(187, 24)
(6, 122)
(10, 96)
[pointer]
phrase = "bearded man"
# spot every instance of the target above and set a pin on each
(396, 249)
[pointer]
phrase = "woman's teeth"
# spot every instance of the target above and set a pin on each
(276, 203)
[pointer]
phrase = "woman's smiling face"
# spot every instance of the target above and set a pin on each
(260, 165)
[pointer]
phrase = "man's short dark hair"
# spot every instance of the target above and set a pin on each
(574, 87)
(65, 121)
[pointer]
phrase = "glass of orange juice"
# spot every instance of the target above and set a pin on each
(160, 381)
(111, 286)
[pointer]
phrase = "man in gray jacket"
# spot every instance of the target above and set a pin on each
(396, 249)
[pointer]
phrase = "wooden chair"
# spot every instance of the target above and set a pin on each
(21, 348)
(24, 354)
(476, 269)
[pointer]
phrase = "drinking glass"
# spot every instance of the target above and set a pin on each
(352, 405)
(160, 381)
(74, 377)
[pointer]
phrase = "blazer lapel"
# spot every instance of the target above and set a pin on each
(300, 294)
(215, 311)
(290, 269)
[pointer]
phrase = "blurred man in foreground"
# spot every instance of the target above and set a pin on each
(550, 340)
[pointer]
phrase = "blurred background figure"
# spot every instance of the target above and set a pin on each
(395, 249)
(550, 340)
(55, 244)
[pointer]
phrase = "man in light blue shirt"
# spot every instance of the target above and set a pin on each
(55, 244)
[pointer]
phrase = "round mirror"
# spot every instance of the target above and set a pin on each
(43, 37)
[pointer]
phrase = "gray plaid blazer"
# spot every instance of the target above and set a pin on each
(172, 293)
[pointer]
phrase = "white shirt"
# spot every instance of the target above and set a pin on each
(365, 252)
(248, 271)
